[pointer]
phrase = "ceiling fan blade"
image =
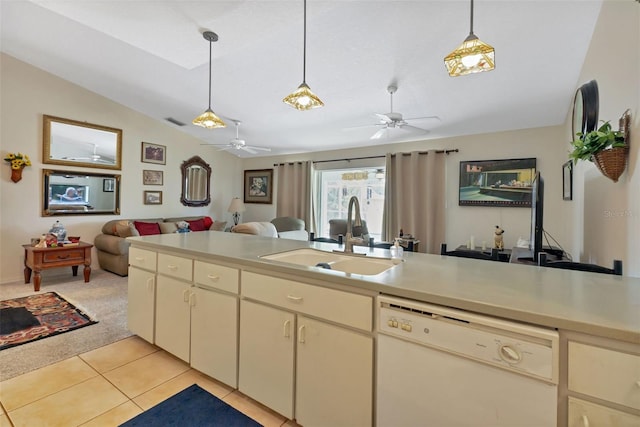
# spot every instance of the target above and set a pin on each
(216, 145)
(226, 148)
(382, 132)
(383, 117)
(425, 118)
(253, 147)
(415, 129)
(249, 150)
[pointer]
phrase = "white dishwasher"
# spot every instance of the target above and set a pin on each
(438, 366)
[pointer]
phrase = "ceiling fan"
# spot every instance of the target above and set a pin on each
(394, 121)
(239, 144)
(95, 157)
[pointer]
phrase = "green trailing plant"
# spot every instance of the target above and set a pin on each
(586, 145)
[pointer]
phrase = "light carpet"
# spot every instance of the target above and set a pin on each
(103, 298)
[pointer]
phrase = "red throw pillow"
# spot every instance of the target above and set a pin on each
(197, 225)
(207, 222)
(147, 228)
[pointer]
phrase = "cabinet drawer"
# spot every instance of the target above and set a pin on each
(605, 374)
(175, 266)
(142, 258)
(216, 276)
(585, 414)
(63, 255)
(336, 306)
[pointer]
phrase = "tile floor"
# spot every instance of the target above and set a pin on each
(110, 385)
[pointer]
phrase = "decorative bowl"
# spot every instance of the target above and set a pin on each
(74, 239)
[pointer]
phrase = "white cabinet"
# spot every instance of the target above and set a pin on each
(603, 382)
(173, 316)
(331, 365)
(197, 323)
(141, 293)
(214, 321)
(141, 303)
(267, 337)
(334, 380)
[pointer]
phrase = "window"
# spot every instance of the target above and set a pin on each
(336, 188)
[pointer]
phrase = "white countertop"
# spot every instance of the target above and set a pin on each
(597, 304)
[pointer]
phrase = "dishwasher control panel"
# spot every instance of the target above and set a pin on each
(523, 348)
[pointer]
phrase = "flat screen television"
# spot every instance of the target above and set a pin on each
(504, 182)
(537, 211)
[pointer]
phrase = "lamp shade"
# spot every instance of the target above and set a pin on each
(236, 205)
(472, 56)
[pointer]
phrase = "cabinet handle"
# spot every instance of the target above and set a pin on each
(185, 295)
(150, 284)
(301, 334)
(585, 421)
(172, 267)
(294, 298)
(212, 277)
(139, 258)
(192, 299)
(287, 329)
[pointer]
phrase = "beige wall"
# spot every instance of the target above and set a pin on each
(27, 94)
(605, 216)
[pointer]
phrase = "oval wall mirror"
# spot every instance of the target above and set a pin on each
(196, 175)
(73, 143)
(80, 193)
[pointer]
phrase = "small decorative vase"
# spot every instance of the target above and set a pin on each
(16, 174)
(59, 231)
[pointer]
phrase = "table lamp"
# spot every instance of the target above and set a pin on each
(236, 207)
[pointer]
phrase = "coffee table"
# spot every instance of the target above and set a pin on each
(38, 259)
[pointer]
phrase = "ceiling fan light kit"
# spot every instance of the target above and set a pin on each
(208, 119)
(472, 56)
(303, 98)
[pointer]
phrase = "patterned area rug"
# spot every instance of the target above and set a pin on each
(38, 316)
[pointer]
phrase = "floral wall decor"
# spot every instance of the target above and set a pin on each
(18, 162)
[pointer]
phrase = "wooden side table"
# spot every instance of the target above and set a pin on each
(38, 259)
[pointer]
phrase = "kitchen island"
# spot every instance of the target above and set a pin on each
(594, 311)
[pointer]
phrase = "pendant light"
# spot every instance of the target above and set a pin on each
(472, 56)
(208, 119)
(302, 98)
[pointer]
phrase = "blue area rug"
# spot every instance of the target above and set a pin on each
(193, 407)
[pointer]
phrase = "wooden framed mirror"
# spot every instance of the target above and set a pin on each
(196, 176)
(80, 193)
(73, 143)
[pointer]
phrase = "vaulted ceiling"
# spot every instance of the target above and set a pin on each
(151, 57)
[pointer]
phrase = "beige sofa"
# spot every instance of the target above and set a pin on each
(282, 227)
(113, 248)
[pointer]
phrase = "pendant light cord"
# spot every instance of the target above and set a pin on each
(471, 32)
(304, 46)
(210, 74)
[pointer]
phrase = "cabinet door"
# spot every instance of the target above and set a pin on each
(266, 356)
(334, 375)
(141, 303)
(214, 334)
(172, 316)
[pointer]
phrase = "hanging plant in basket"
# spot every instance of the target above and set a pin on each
(605, 147)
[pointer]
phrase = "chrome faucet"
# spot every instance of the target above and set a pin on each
(348, 238)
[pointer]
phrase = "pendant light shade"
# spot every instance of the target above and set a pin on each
(303, 98)
(208, 119)
(472, 56)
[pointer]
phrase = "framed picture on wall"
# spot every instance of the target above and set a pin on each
(504, 182)
(258, 186)
(150, 177)
(154, 153)
(153, 197)
(108, 185)
(567, 181)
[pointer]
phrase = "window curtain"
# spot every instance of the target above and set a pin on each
(415, 198)
(294, 192)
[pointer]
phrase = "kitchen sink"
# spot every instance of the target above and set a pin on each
(352, 264)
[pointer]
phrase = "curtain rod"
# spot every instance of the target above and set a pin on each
(454, 150)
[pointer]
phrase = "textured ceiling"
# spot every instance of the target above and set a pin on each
(151, 57)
